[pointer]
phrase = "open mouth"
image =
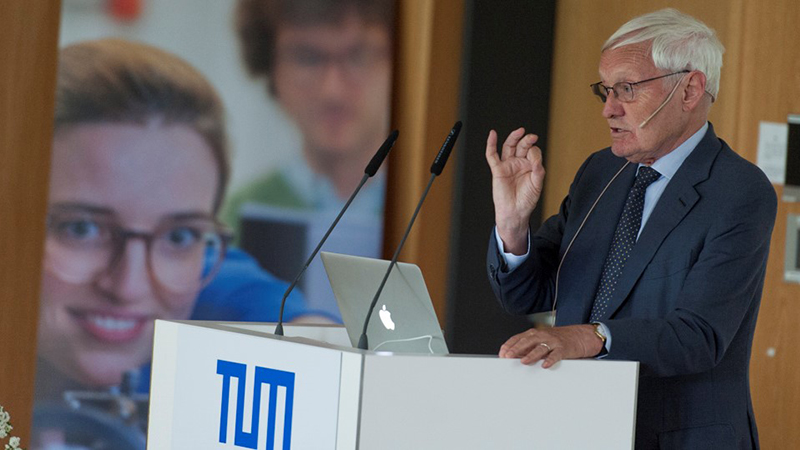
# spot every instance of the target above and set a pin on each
(110, 327)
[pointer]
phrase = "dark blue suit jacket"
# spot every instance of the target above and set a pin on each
(686, 303)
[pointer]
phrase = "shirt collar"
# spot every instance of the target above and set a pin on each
(668, 164)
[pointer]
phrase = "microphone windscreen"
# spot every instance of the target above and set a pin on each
(377, 160)
(444, 152)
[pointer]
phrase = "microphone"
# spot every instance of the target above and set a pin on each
(550, 317)
(369, 171)
(436, 170)
(663, 104)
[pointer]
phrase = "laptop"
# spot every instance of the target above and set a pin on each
(403, 320)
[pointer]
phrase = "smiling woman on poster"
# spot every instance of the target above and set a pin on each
(139, 167)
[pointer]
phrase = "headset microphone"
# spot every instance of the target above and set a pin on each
(669, 97)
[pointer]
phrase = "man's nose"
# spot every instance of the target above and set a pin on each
(612, 107)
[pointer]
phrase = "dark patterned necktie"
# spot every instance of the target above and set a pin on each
(624, 239)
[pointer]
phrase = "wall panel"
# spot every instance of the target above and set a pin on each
(770, 90)
(505, 83)
(28, 48)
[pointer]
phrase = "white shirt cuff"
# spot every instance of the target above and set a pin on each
(607, 333)
(512, 261)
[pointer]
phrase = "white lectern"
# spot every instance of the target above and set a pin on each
(236, 386)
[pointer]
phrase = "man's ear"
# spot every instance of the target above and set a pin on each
(695, 89)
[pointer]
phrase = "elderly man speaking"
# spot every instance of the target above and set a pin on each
(658, 252)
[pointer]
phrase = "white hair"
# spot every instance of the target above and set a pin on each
(679, 42)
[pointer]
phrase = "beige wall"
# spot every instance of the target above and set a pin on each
(28, 36)
(760, 82)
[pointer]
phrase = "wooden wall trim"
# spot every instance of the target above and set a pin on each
(28, 55)
(424, 108)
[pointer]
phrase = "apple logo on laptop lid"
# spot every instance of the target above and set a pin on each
(386, 318)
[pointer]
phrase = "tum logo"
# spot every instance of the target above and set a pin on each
(263, 375)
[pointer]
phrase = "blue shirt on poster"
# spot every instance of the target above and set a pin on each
(243, 291)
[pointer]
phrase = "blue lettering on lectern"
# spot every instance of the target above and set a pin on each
(263, 375)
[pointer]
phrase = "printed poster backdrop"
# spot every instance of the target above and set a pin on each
(132, 237)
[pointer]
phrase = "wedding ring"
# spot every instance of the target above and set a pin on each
(546, 346)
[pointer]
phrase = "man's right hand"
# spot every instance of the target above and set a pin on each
(517, 180)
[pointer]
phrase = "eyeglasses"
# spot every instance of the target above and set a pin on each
(623, 91)
(183, 254)
(307, 64)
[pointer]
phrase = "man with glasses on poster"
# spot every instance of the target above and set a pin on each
(328, 65)
(659, 251)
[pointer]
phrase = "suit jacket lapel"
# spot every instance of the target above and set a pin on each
(676, 201)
